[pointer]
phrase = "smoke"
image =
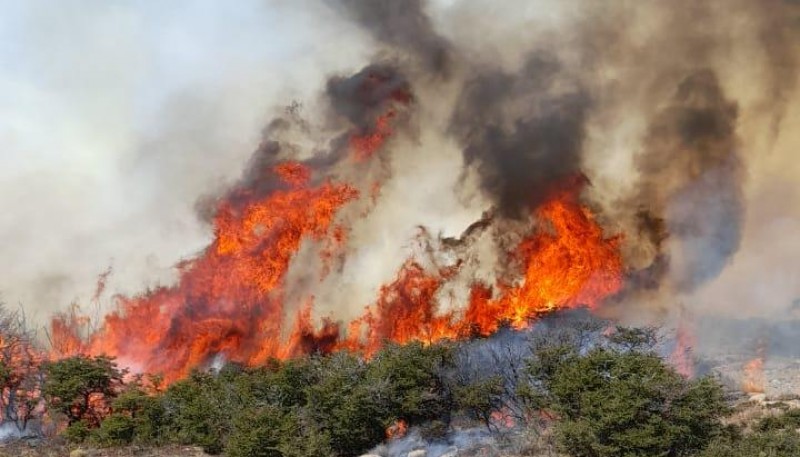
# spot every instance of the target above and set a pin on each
(676, 112)
(521, 132)
(118, 118)
(690, 175)
(404, 27)
(669, 109)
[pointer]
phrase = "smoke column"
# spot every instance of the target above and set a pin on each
(673, 117)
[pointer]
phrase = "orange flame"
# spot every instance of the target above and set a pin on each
(754, 379)
(229, 301)
(568, 266)
(682, 358)
(397, 430)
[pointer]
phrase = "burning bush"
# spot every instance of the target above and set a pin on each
(20, 372)
(82, 388)
(604, 392)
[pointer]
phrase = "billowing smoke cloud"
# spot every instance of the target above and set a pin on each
(660, 105)
(404, 26)
(520, 132)
(691, 175)
(117, 118)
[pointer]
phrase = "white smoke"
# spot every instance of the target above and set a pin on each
(117, 117)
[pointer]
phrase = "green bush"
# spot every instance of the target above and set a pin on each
(789, 420)
(415, 390)
(773, 443)
(196, 412)
(271, 432)
(71, 383)
(613, 400)
(77, 432)
(343, 404)
(115, 430)
(608, 398)
(480, 399)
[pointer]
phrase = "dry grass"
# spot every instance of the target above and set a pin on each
(56, 449)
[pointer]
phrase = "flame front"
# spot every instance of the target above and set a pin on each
(229, 301)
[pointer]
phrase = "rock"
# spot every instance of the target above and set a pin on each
(452, 452)
(33, 442)
(418, 453)
(79, 453)
(370, 455)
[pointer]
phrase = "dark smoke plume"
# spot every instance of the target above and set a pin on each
(520, 133)
(364, 96)
(403, 25)
(691, 176)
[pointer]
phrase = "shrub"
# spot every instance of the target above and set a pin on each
(115, 430)
(627, 403)
(480, 399)
(272, 432)
(415, 390)
(81, 387)
(343, 404)
(773, 443)
(77, 432)
(195, 412)
(789, 420)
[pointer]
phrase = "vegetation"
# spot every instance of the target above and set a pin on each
(582, 390)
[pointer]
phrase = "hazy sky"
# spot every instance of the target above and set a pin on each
(115, 116)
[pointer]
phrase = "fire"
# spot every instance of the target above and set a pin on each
(754, 376)
(229, 301)
(754, 381)
(503, 418)
(22, 376)
(397, 430)
(363, 146)
(569, 264)
(682, 357)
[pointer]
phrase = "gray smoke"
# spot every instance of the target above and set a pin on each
(662, 105)
(520, 132)
(691, 176)
(403, 26)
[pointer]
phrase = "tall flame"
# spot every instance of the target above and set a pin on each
(229, 301)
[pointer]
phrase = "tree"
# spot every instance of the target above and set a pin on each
(82, 387)
(343, 404)
(20, 371)
(416, 391)
(137, 416)
(624, 403)
(197, 411)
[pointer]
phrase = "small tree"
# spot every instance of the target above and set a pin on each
(82, 387)
(198, 412)
(624, 403)
(342, 403)
(20, 371)
(138, 416)
(416, 391)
